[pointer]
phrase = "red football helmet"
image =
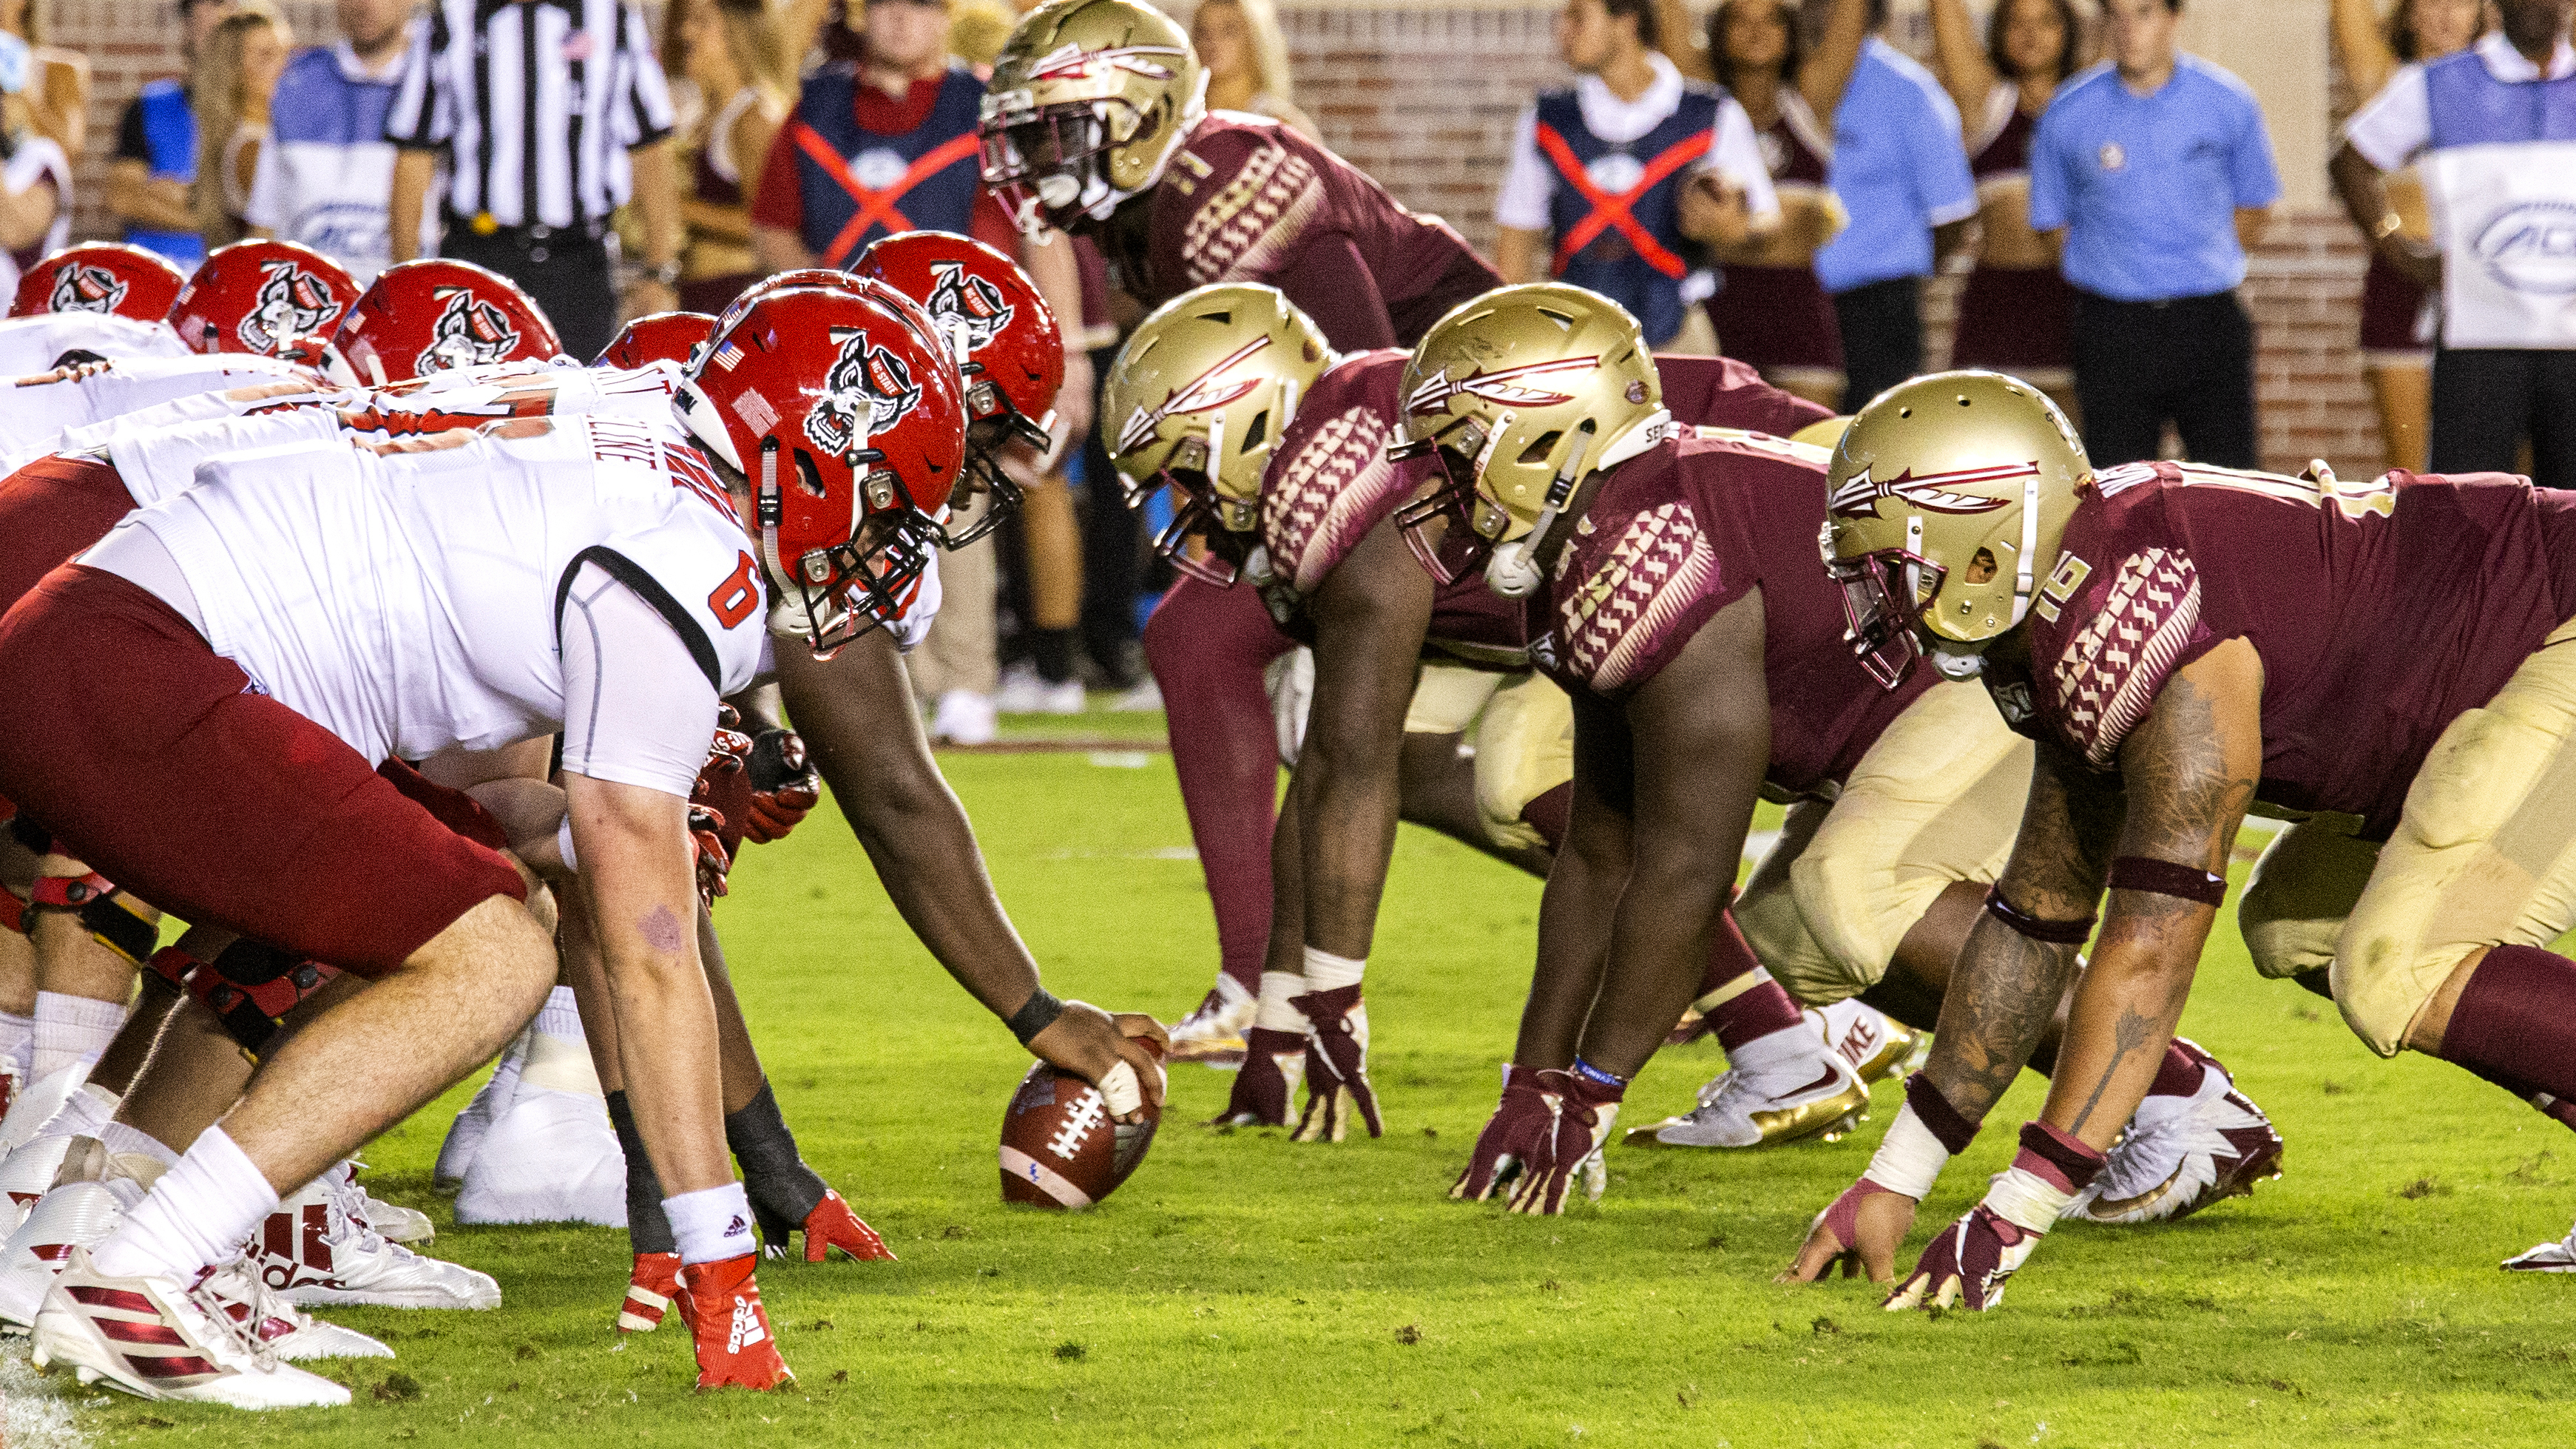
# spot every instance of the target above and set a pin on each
(99, 277)
(850, 428)
(827, 277)
(658, 337)
(1003, 336)
(257, 296)
(438, 313)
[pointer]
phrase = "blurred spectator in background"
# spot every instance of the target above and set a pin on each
(551, 115)
(1684, 45)
(326, 172)
(1772, 312)
(1247, 60)
(155, 162)
(2400, 315)
(35, 176)
(734, 68)
(235, 77)
(1900, 171)
(53, 84)
(1617, 180)
(2016, 313)
(2496, 128)
(2157, 168)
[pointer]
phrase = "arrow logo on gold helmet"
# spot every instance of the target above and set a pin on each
(1505, 386)
(1207, 392)
(1858, 496)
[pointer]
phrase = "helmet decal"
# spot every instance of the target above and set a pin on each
(958, 298)
(82, 287)
(1071, 62)
(469, 333)
(868, 390)
(1207, 392)
(292, 303)
(1858, 496)
(1505, 386)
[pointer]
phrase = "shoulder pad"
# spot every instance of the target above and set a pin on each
(2106, 675)
(1613, 623)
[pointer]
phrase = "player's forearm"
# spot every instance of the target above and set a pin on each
(1348, 836)
(1573, 942)
(2003, 994)
(412, 174)
(2126, 1007)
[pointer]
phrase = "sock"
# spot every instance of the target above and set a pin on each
(1276, 1013)
(1328, 972)
(2179, 1075)
(647, 1231)
(1794, 1051)
(72, 1031)
(198, 1213)
(2516, 1020)
(1551, 815)
(1052, 651)
(84, 1112)
(1749, 1015)
(560, 1017)
(18, 1044)
(711, 1224)
(1208, 647)
(777, 1179)
(123, 1141)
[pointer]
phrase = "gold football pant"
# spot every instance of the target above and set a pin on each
(1523, 735)
(2484, 854)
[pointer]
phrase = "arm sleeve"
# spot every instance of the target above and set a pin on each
(1522, 206)
(2396, 124)
(1331, 282)
(2048, 188)
(131, 143)
(777, 201)
(1737, 156)
(637, 708)
(643, 109)
(1941, 174)
(422, 116)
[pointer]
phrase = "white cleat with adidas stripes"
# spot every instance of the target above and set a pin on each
(158, 1338)
(318, 1250)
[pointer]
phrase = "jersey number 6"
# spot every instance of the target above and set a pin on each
(735, 598)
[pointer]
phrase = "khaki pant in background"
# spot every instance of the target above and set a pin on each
(960, 652)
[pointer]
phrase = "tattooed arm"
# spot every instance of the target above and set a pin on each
(2190, 769)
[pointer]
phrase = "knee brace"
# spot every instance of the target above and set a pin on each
(249, 987)
(112, 918)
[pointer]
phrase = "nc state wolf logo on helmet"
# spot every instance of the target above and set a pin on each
(84, 288)
(1510, 386)
(469, 333)
(1858, 497)
(868, 390)
(960, 299)
(292, 303)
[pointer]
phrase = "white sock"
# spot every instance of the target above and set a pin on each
(711, 1224)
(1790, 1050)
(1274, 1013)
(84, 1112)
(72, 1031)
(123, 1141)
(198, 1213)
(560, 1016)
(1328, 972)
(18, 1043)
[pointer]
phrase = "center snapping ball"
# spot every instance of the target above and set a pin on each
(1059, 1147)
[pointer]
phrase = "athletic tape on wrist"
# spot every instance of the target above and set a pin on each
(2054, 933)
(2164, 878)
(1119, 1090)
(1035, 1015)
(1326, 971)
(1910, 1158)
(2026, 1200)
(1946, 1123)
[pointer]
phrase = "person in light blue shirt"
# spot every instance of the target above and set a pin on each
(1900, 170)
(2154, 170)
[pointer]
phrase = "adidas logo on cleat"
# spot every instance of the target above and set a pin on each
(746, 1327)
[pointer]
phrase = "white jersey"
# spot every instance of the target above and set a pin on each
(161, 463)
(36, 412)
(470, 398)
(37, 344)
(413, 602)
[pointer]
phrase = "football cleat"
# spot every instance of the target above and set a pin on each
(1877, 1045)
(30, 1110)
(552, 1157)
(2180, 1154)
(721, 1304)
(1213, 1034)
(26, 1175)
(465, 1134)
(158, 1338)
(2557, 1257)
(75, 1215)
(833, 1225)
(1762, 1101)
(291, 1333)
(648, 1292)
(317, 1249)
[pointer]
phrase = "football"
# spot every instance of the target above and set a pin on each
(1059, 1147)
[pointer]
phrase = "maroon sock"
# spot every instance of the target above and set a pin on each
(2516, 1022)
(1207, 647)
(1551, 815)
(1760, 1009)
(2179, 1075)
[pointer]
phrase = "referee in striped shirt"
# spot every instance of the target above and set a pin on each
(550, 114)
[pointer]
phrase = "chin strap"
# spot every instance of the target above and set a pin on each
(767, 510)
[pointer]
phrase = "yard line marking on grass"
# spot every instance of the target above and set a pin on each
(35, 1412)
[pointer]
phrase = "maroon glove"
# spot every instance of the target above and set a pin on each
(1273, 1062)
(1511, 1136)
(783, 785)
(1580, 1114)
(1967, 1263)
(1336, 1065)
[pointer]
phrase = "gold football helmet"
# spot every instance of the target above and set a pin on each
(1197, 402)
(1946, 503)
(1087, 102)
(1521, 394)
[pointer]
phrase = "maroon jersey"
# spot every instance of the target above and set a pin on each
(2380, 610)
(1331, 482)
(1246, 199)
(1681, 531)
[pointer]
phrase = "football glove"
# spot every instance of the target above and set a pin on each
(1580, 1115)
(706, 833)
(1966, 1265)
(1337, 1081)
(1274, 1062)
(783, 785)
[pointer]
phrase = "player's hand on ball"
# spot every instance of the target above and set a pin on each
(1095, 1046)
(1510, 1138)
(1580, 1115)
(1966, 1265)
(1859, 1232)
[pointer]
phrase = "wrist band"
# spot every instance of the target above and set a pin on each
(2164, 878)
(1935, 1112)
(1909, 1158)
(1598, 1077)
(2055, 933)
(2057, 1157)
(1035, 1015)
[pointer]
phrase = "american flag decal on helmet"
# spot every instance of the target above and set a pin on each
(1510, 386)
(1207, 392)
(1858, 497)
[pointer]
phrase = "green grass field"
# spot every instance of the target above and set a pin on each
(1245, 1290)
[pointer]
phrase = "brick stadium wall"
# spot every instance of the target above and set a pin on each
(1423, 98)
